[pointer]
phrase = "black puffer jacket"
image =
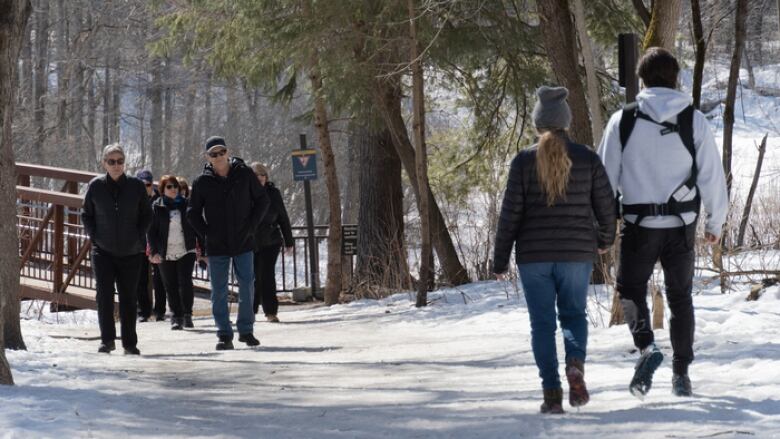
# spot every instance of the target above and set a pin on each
(569, 231)
(117, 214)
(161, 220)
(233, 206)
(275, 228)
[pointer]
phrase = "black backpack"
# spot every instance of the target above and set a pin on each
(684, 128)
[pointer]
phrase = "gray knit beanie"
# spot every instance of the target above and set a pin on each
(551, 109)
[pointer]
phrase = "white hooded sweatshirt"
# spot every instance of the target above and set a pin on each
(653, 166)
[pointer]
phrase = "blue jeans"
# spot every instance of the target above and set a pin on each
(565, 284)
(219, 270)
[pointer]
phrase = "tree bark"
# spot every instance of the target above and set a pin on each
(63, 84)
(13, 20)
(662, 30)
(189, 148)
(387, 96)
(731, 93)
(207, 108)
(41, 83)
(749, 201)
(700, 49)
(116, 97)
(168, 149)
(106, 103)
(321, 125)
(381, 258)
(642, 12)
(156, 118)
(421, 157)
(560, 44)
(594, 95)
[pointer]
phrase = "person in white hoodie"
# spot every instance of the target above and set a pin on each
(663, 163)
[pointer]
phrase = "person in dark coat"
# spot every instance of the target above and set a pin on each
(272, 232)
(155, 289)
(226, 205)
(172, 249)
(116, 215)
(558, 211)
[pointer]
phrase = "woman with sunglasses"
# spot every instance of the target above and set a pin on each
(272, 232)
(172, 248)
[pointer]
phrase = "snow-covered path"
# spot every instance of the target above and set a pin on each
(385, 369)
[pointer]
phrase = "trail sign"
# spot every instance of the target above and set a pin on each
(349, 234)
(304, 163)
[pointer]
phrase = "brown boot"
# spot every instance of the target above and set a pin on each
(575, 374)
(553, 401)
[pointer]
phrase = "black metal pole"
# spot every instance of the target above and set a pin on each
(628, 56)
(313, 253)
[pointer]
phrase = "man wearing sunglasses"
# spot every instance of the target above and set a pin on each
(116, 215)
(226, 204)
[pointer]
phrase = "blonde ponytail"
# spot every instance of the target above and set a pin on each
(553, 165)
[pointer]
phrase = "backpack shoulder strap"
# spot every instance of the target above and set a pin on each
(685, 122)
(627, 122)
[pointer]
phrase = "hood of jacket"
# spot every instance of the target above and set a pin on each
(661, 103)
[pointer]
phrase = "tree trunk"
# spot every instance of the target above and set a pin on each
(731, 93)
(233, 121)
(664, 20)
(560, 43)
(421, 157)
(381, 258)
(207, 109)
(63, 85)
(168, 150)
(351, 200)
(189, 149)
(13, 20)
(333, 282)
(700, 49)
(642, 11)
(387, 95)
(749, 201)
(106, 103)
(594, 95)
(41, 83)
(76, 96)
(116, 97)
(156, 120)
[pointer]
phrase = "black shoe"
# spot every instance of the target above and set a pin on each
(106, 348)
(225, 344)
(159, 317)
(143, 319)
(681, 385)
(176, 324)
(188, 321)
(645, 367)
(132, 351)
(249, 339)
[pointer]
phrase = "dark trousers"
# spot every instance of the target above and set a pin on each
(144, 290)
(177, 277)
(639, 250)
(265, 279)
(122, 272)
(145, 303)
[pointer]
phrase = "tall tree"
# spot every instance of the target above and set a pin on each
(41, 82)
(156, 120)
(700, 49)
(588, 60)
(664, 19)
(13, 20)
(731, 91)
(421, 155)
(561, 47)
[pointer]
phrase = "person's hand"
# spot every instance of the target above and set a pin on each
(603, 251)
(501, 276)
(288, 250)
(156, 259)
(710, 238)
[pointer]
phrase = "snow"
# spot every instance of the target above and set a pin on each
(460, 368)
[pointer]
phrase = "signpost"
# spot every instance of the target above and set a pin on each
(304, 163)
(349, 234)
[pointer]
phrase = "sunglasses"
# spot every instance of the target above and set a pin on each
(171, 186)
(148, 184)
(262, 175)
(112, 162)
(216, 154)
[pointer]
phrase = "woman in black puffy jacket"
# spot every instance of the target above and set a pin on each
(273, 231)
(558, 212)
(172, 245)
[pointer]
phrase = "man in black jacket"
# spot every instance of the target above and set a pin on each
(226, 205)
(116, 215)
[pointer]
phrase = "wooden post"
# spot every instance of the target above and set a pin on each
(59, 249)
(73, 218)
